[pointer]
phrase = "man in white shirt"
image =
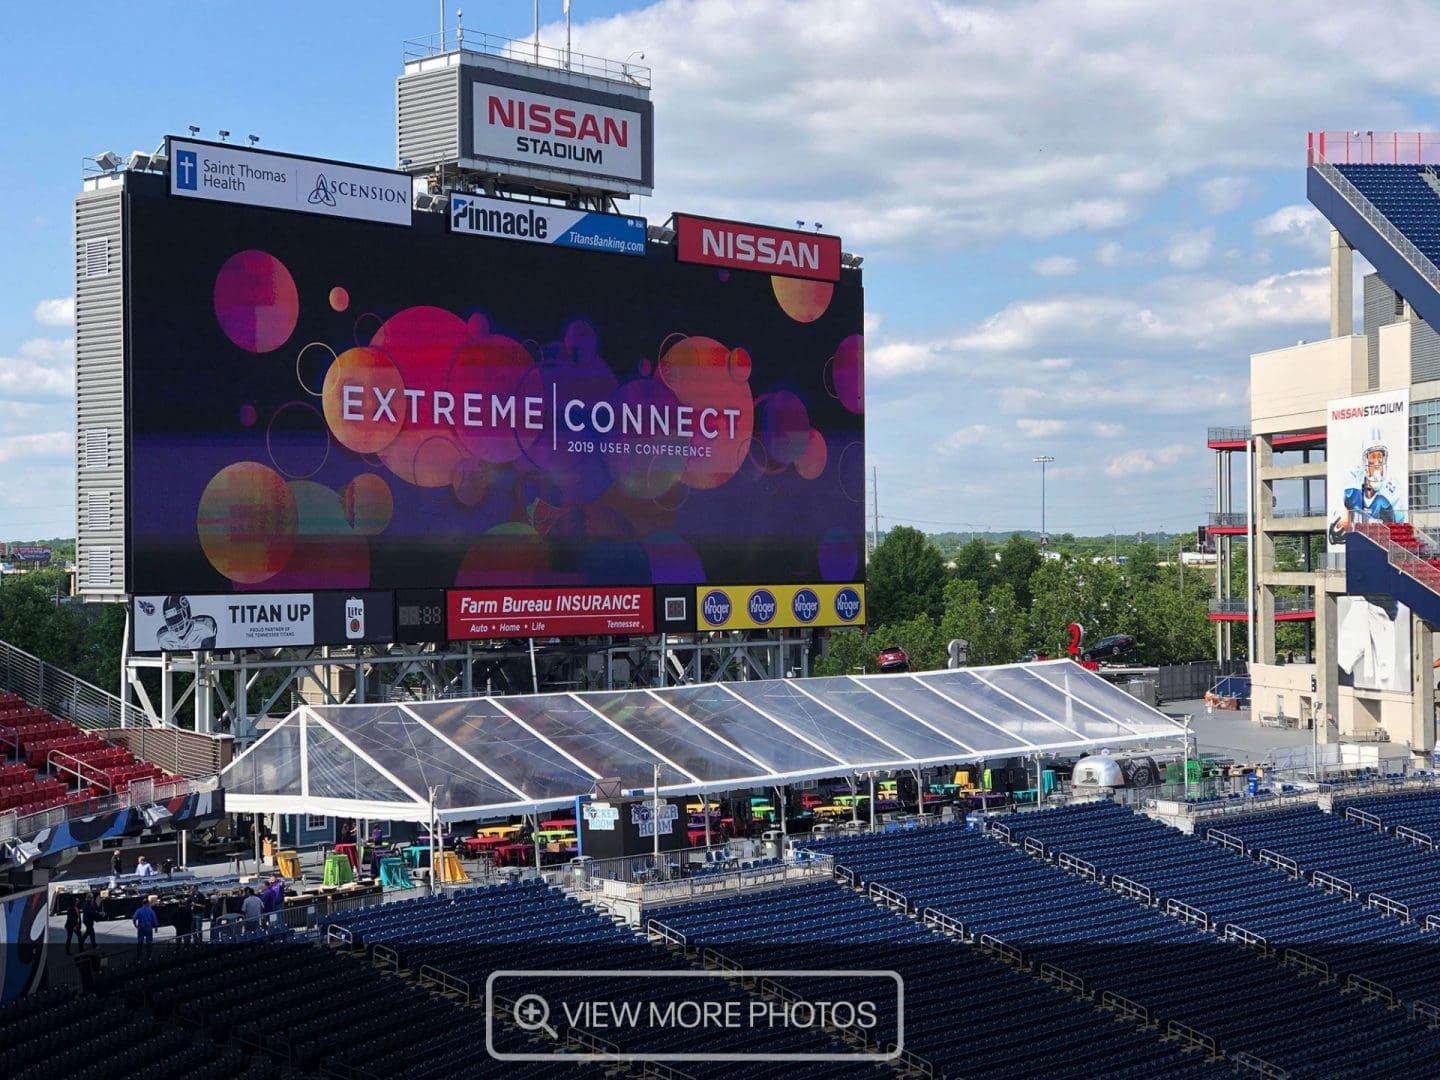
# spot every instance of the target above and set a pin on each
(143, 868)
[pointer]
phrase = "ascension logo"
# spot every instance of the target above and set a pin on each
(805, 605)
(847, 604)
(715, 608)
(321, 194)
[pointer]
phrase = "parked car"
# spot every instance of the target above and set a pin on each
(1110, 648)
(893, 659)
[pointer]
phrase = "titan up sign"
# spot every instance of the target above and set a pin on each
(738, 246)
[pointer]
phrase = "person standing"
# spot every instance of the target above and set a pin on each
(89, 912)
(72, 923)
(143, 867)
(145, 921)
(115, 865)
(252, 907)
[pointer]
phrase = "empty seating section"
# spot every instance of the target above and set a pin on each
(1130, 948)
(476, 931)
(1368, 860)
(1402, 195)
(1417, 812)
(57, 763)
(94, 1038)
(966, 1013)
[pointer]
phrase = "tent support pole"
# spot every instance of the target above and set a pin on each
(535, 682)
(784, 827)
(855, 797)
(872, 802)
(705, 809)
(655, 817)
(536, 828)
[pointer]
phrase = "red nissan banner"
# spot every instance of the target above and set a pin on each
(508, 613)
(734, 244)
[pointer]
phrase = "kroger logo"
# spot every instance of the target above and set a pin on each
(715, 608)
(762, 605)
(805, 605)
(847, 604)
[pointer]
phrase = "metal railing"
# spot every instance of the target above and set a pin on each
(1228, 520)
(524, 52)
(1226, 434)
(1291, 513)
(141, 793)
(48, 687)
(1373, 147)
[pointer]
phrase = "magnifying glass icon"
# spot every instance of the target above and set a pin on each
(532, 1013)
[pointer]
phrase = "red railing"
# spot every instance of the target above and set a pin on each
(1373, 147)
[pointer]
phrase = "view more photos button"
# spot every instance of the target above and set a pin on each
(687, 1015)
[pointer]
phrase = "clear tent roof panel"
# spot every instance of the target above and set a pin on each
(890, 705)
(506, 748)
(834, 731)
(566, 723)
(1053, 701)
(334, 771)
(275, 771)
(414, 750)
(1097, 692)
(675, 738)
(1004, 715)
(737, 723)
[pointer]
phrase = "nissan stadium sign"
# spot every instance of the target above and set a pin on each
(553, 225)
(520, 125)
(738, 246)
(224, 173)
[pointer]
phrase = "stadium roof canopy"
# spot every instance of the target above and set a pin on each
(492, 756)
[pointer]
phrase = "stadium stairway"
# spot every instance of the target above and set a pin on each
(1115, 946)
(1391, 215)
(1397, 561)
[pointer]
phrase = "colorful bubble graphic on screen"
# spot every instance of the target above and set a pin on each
(256, 302)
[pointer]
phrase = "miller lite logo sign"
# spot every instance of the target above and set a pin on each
(737, 246)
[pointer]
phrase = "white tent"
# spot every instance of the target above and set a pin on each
(491, 756)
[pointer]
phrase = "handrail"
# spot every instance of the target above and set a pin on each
(1278, 861)
(1133, 889)
(1188, 1035)
(1390, 907)
(1225, 840)
(520, 51)
(1081, 867)
(1239, 934)
(1307, 963)
(1332, 884)
(1185, 913)
(1415, 836)
(1123, 1005)
(1371, 989)
(1354, 813)
(938, 920)
(1425, 1009)
(1260, 1067)
(1002, 949)
(890, 896)
(666, 933)
(1060, 977)
(61, 761)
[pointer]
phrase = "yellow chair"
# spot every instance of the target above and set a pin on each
(451, 872)
(288, 863)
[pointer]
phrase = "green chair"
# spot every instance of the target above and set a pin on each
(338, 870)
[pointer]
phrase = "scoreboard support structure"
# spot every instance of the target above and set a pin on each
(224, 694)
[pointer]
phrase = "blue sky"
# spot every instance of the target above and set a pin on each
(1078, 220)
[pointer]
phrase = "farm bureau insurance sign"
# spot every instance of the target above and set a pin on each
(281, 182)
(509, 613)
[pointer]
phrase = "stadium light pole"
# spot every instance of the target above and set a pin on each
(1042, 461)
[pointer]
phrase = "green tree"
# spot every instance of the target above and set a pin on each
(976, 562)
(1019, 559)
(906, 577)
(847, 652)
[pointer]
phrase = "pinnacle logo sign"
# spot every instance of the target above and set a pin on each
(224, 173)
(321, 192)
(537, 223)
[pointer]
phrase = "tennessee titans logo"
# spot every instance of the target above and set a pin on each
(147, 607)
(321, 194)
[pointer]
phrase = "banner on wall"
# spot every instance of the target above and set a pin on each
(1367, 477)
(248, 621)
(1373, 643)
(514, 613)
(771, 607)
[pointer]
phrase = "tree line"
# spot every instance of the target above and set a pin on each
(1009, 601)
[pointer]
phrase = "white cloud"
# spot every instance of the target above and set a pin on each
(963, 438)
(1130, 462)
(1300, 224)
(1190, 250)
(1039, 429)
(1055, 266)
(37, 447)
(56, 312)
(1102, 430)
(42, 369)
(1221, 194)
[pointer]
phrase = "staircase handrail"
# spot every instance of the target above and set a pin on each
(63, 762)
(1417, 259)
(48, 687)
